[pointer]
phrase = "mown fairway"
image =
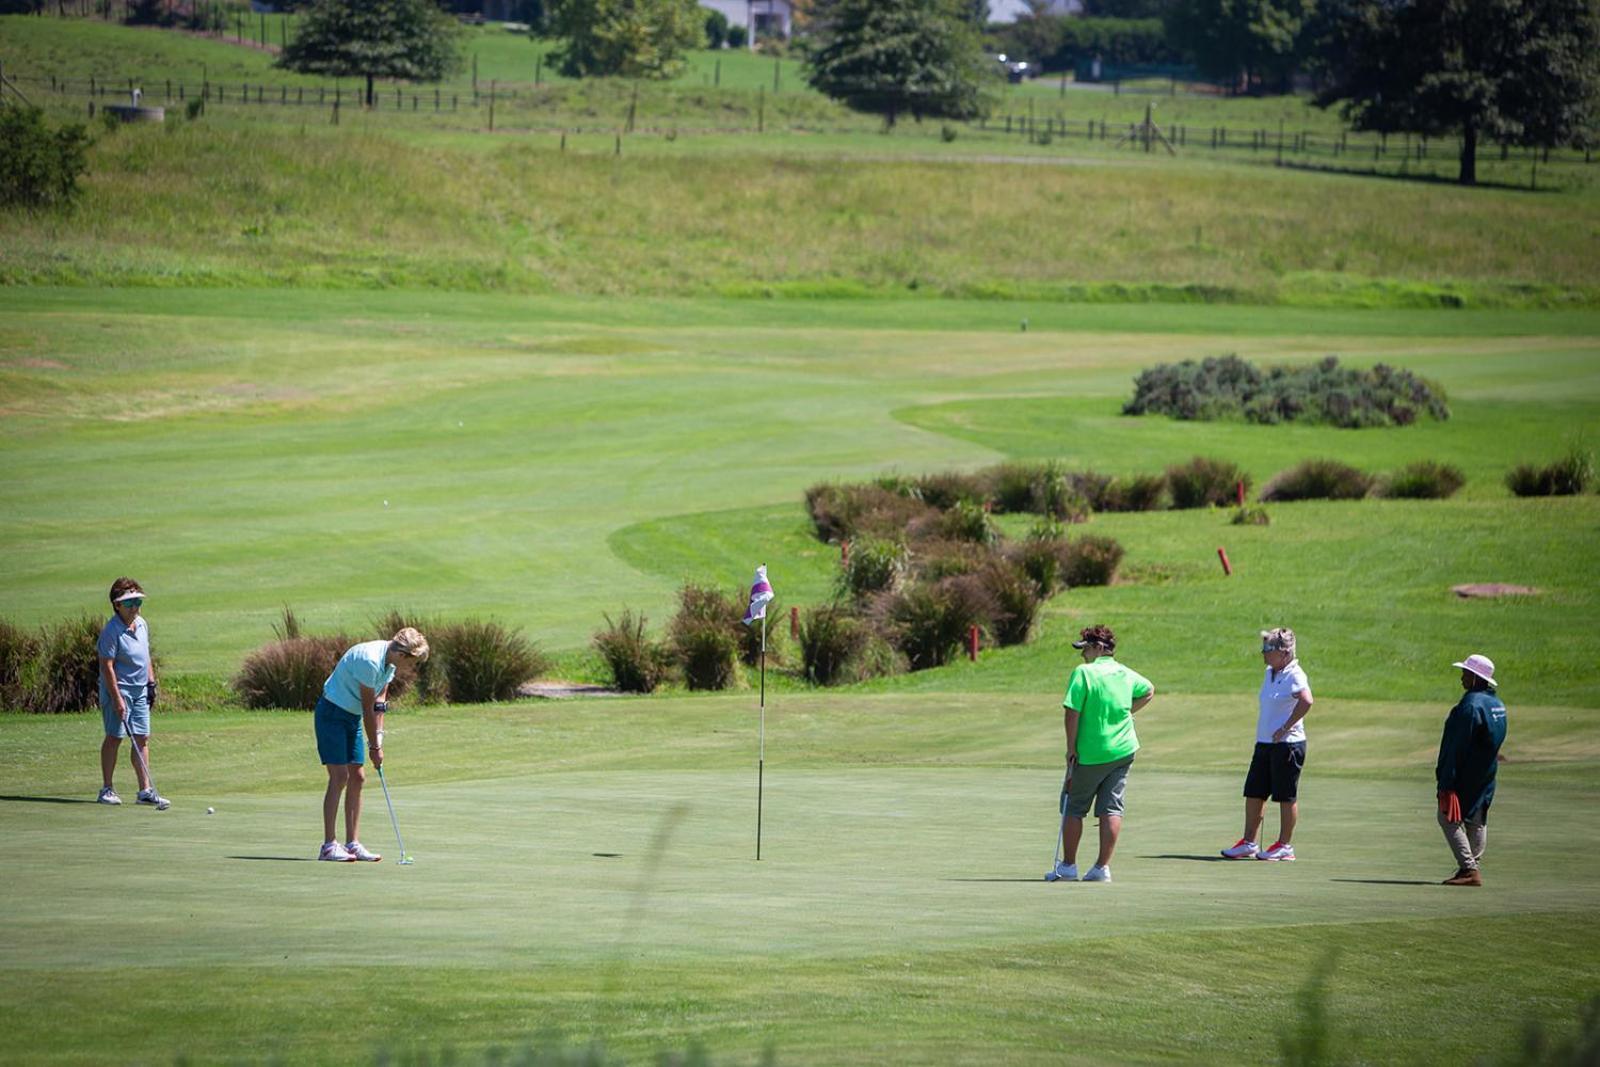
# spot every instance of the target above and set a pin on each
(406, 363)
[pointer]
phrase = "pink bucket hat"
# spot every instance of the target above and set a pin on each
(1480, 665)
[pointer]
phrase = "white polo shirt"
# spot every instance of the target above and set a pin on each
(1278, 698)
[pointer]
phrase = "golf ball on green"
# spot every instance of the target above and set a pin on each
(211, 811)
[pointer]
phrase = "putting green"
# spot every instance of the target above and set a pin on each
(588, 868)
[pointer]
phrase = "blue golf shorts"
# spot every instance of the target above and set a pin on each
(339, 739)
(138, 701)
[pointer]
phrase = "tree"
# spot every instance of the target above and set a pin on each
(409, 39)
(39, 165)
(1248, 43)
(716, 27)
(1523, 72)
(890, 57)
(630, 38)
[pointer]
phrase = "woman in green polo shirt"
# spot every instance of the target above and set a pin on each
(1101, 700)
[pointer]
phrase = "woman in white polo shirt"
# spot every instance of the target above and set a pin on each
(1280, 750)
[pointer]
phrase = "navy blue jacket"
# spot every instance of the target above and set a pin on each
(1467, 752)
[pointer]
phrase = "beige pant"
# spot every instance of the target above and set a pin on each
(1466, 839)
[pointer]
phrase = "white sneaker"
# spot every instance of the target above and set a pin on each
(154, 799)
(1098, 874)
(108, 796)
(358, 851)
(1278, 851)
(1062, 872)
(1241, 850)
(335, 852)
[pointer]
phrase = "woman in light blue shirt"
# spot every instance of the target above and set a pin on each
(354, 697)
(127, 691)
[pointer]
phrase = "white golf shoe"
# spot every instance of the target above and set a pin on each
(1278, 851)
(335, 853)
(1241, 850)
(358, 851)
(1098, 874)
(1062, 872)
(108, 796)
(154, 799)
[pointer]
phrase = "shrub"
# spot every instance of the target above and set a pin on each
(1323, 392)
(945, 490)
(938, 558)
(968, 522)
(832, 640)
(1091, 560)
(1137, 492)
(929, 621)
(1039, 488)
(481, 661)
(1204, 482)
(876, 565)
(289, 673)
(637, 664)
(1014, 598)
(1251, 516)
(716, 27)
(840, 512)
(66, 672)
(18, 649)
(1317, 479)
(39, 166)
(1567, 476)
(703, 639)
(1040, 559)
(1423, 480)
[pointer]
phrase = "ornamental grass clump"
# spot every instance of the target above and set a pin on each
(929, 621)
(290, 672)
(635, 662)
(1014, 601)
(1091, 560)
(1423, 480)
(876, 565)
(832, 642)
(1317, 479)
(18, 649)
(702, 638)
(1568, 476)
(1205, 482)
(66, 672)
(482, 661)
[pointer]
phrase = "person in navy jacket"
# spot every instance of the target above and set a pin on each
(1469, 753)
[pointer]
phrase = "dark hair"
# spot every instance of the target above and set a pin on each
(1099, 635)
(124, 585)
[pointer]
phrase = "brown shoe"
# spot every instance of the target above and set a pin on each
(1472, 877)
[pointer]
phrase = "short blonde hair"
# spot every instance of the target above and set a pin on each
(1280, 639)
(410, 641)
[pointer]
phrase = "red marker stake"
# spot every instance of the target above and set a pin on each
(972, 643)
(1222, 554)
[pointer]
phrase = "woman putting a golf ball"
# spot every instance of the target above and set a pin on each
(351, 708)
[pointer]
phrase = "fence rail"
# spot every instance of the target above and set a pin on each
(1282, 144)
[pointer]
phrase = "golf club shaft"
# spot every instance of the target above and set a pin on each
(1061, 831)
(138, 756)
(392, 820)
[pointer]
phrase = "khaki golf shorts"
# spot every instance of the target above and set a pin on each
(1100, 784)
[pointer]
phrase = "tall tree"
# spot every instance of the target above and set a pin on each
(1249, 43)
(1523, 72)
(896, 57)
(410, 39)
(630, 38)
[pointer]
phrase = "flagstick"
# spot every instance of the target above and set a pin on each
(761, 757)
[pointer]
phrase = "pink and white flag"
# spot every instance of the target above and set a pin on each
(760, 594)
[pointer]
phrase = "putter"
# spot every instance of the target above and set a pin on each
(1061, 830)
(162, 804)
(405, 859)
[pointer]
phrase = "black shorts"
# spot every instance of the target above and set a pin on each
(1275, 771)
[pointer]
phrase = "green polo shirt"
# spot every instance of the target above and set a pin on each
(1102, 693)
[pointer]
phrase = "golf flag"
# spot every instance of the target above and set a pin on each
(760, 594)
